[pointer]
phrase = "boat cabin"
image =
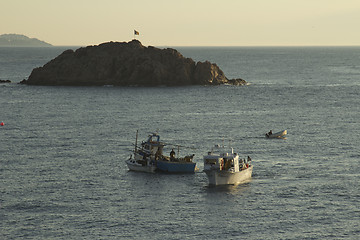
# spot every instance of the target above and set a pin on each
(153, 146)
(223, 162)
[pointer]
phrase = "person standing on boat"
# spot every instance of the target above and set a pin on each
(172, 154)
(227, 164)
(157, 154)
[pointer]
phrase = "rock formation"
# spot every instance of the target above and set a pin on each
(127, 64)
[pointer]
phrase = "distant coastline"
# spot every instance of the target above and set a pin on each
(18, 40)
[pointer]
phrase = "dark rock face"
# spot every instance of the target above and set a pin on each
(125, 64)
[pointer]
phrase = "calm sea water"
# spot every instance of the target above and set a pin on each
(62, 151)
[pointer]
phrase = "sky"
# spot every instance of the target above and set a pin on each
(185, 22)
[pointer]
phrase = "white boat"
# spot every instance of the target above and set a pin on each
(222, 167)
(140, 166)
(280, 134)
(143, 159)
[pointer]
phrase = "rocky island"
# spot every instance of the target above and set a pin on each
(18, 40)
(127, 64)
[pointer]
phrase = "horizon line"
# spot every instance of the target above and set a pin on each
(275, 45)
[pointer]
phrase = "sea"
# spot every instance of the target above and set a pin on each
(63, 150)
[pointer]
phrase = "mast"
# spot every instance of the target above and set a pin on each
(137, 131)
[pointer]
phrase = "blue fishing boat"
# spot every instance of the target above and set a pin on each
(150, 157)
(176, 165)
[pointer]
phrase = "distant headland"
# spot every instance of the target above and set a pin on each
(18, 40)
(127, 64)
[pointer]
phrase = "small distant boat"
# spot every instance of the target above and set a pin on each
(150, 157)
(280, 134)
(143, 159)
(222, 167)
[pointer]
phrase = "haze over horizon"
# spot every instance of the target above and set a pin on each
(186, 23)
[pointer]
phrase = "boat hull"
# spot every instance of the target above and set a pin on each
(217, 177)
(176, 167)
(134, 166)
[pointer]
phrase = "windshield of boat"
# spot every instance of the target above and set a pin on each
(154, 138)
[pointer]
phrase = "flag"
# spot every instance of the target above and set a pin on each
(136, 32)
